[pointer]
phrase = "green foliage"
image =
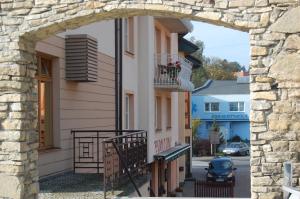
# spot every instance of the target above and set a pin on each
(199, 76)
(195, 124)
(213, 67)
(236, 138)
(215, 126)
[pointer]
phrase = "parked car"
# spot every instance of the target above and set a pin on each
(236, 148)
(221, 170)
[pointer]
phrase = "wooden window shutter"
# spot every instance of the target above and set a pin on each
(81, 58)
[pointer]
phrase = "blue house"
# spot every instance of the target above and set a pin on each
(225, 101)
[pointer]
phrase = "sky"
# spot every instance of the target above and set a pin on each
(222, 42)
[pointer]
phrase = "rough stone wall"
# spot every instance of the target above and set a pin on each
(274, 30)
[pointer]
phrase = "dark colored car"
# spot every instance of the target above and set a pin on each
(221, 170)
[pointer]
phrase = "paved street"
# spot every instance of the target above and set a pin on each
(242, 187)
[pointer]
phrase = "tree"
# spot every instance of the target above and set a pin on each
(199, 53)
(195, 124)
(213, 67)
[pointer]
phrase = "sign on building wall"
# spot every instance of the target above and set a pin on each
(162, 144)
(230, 117)
(214, 137)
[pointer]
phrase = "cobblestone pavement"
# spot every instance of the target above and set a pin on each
(77, 186)
(242, 187)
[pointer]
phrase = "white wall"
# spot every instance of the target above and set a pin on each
(130, 73)
(145, 79)
(103, 31)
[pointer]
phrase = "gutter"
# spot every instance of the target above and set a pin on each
(118, 76)
(207, 83)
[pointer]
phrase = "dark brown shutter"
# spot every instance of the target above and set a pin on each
(81, 58)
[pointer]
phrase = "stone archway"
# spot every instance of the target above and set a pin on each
(275, 77)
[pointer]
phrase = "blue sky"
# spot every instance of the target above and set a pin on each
(223, 42)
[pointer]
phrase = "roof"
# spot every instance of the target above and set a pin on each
(186, 46)
(172, 153)
(174, 25)
(223, 87)
(196, 62)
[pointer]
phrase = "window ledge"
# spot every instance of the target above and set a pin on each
(169, 127)
(158, 130)
(49, 150)
(130, 54)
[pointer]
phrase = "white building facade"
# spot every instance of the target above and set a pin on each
(153, 74)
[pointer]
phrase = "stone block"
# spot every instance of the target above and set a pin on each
(258, 71)
(11, 169)
(277, 135)
(289, 22)
(292, 42)
(13, 135)
(283, 107)
(264, 19)
(264, 96)
(11, 186)
(15, 146)
(258, 51)
(271, 168)
(267, 148)
(264, 79)
(286, 67)
(275, 125)
(261, 181)
(280, 157)
(272, 195)
(260, 87)
(280, 146)
(221, 4)
(260, 105)
(209, 15)
(258, 129)
(294, 146)
(261, 3)
(255, 161)
(257, 116)
(240, 3)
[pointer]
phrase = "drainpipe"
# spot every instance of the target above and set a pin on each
(118, 75)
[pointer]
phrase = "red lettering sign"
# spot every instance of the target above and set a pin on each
(162, 144)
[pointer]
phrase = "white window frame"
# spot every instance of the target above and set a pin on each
(239, 106)
(158, 113)
(210, 106)
(129, 35)
(127, 112)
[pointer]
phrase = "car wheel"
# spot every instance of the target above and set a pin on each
(247, 153)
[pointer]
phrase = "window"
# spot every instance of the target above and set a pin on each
(129, 34)
(129, 112)
(187, 110)
(236, 106)
(158, 113)
(212, 107)
(207, 106)
(187, 139)
(169, 113)
(45, 101)
(158, 40)
(168, 41)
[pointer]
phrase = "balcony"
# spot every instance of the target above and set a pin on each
(173, 72)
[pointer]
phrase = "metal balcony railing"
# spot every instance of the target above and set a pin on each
(173, 72)
(118, 158)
